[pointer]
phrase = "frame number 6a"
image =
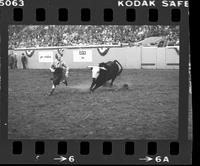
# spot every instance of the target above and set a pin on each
(160, 159)
(157, 159)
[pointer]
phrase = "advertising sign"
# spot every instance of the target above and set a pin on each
(82, 55)
(45, 56)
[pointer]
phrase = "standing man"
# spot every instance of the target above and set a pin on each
(24, 60)
(15, 61)
(11, 61)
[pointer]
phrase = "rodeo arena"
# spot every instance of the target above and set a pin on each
(93, 82)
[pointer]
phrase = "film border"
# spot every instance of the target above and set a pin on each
(74, 18)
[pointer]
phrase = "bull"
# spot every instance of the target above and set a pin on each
(105, 72)
(59, 75)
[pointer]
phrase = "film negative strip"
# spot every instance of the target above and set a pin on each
(95, 82)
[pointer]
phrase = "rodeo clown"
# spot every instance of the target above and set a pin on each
(60, 72)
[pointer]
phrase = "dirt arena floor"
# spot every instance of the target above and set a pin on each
(148, 110)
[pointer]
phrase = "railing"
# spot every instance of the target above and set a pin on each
(67, 47)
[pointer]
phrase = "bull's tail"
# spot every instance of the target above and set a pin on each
(121, 68)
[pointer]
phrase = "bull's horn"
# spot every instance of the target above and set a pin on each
(103, 68)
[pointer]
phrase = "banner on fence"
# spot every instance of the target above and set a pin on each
(82, 55)
(103, 51)
(45, 56)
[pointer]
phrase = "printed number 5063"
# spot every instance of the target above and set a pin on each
(11, 2)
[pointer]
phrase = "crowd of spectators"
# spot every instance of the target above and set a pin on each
(71, 35)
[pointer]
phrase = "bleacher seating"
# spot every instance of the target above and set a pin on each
(70, 35)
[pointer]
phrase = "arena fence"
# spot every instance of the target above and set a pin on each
(137, 57)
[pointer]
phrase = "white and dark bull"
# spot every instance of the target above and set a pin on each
(105, 72)
(59, 75)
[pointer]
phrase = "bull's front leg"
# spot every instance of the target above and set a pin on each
(92, 85)
(111, 83)
(96, 86)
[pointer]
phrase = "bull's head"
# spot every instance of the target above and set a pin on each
(96, 71)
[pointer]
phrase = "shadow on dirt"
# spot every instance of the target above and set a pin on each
(84, 89)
